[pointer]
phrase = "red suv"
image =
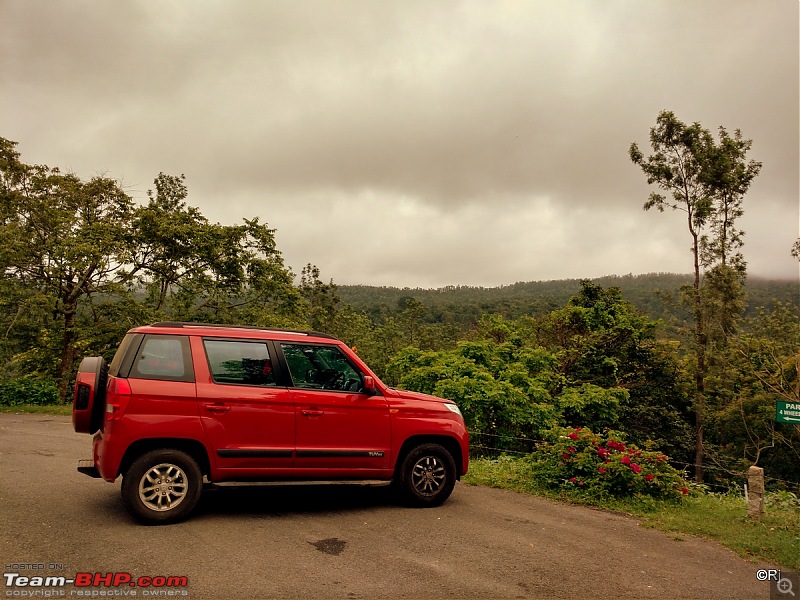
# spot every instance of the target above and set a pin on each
(184, 401)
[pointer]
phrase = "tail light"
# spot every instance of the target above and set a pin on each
(117, 399)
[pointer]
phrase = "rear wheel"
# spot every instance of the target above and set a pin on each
(427, 475)
(162, 486)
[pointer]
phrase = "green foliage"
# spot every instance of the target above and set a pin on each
(592, 406)
(593, 363)
(28, 390)
(321, 299)
(782, 500)
(82, 263)
(463, 306)
(595, 465)
(757, 369)
(490, 382)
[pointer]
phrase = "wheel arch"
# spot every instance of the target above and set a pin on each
(448, 443)
(191, 447)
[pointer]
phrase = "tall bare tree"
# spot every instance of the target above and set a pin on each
(706, 181)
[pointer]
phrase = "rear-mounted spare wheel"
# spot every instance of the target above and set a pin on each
(89, 403)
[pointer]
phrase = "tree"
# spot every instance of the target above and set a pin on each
(195, 270)
(320, 297)
(707, 181)
(763, 366)
(76, 257)
(602, 341)
(62, 240)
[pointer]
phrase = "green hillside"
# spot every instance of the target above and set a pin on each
(465, 304)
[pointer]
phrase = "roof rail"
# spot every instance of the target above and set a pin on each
(182, 324)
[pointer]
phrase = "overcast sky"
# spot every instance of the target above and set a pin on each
(415, 143)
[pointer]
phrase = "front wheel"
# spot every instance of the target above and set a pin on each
(162, 486)
(427, 475)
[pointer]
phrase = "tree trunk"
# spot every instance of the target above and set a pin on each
(67, 353)
(700, 365)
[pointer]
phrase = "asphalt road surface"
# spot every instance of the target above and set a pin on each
(335, 541)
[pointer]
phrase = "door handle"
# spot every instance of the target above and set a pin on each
(217, 408)
(312, 413)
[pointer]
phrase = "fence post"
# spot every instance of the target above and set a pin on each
(755, 492)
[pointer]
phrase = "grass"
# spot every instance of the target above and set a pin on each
(723, 518)
(46, 409)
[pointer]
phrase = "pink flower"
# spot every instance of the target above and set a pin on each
(601, 470)
(649, 477)
(602, 452)
(580, 483)
(578, 428)
(573, 479)
(626, 460)
(573, 436)
(684, 490)
(636, 468)
(571, 449)
(565, 456)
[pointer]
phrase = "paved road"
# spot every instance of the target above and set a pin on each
(341, 542)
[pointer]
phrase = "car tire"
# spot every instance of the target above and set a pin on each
(89, 401)
(427, 475)
(162, 486)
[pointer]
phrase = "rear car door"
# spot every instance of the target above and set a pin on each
(247, 416)
(161, 378)
(339, 424)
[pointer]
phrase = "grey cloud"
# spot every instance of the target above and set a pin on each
(276, 107)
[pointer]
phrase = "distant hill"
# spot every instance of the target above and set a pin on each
(465, 304)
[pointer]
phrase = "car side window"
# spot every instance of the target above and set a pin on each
(321, 367)
(164, 357)
(239, 362)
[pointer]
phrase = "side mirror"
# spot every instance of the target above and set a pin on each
(369, 383)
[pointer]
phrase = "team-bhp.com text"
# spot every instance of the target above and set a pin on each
(94, 585)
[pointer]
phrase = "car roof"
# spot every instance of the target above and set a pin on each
(233, 331)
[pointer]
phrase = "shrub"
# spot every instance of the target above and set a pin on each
(28, 390)
(581, 462)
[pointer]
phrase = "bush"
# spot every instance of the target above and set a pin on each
(28, 390)
(584, 463)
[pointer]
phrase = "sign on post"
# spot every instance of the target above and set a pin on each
(787, 412)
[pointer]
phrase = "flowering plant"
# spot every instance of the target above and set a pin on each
(595, 464)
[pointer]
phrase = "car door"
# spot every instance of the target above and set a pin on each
(247, 416)
(339, 424)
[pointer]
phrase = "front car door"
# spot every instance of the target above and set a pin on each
(339, 424)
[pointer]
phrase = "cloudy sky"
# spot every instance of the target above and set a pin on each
(415, 143)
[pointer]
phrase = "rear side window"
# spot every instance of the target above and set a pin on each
(238, 362)
(128, 344)
(164, 357)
